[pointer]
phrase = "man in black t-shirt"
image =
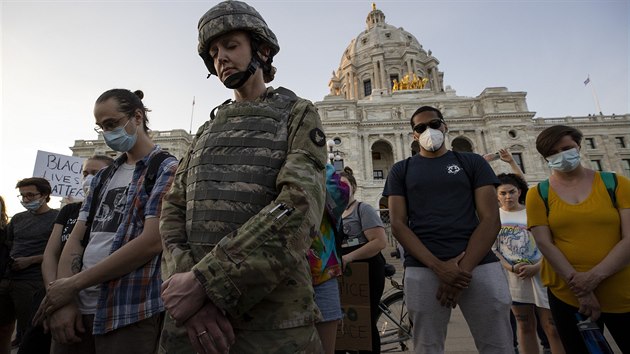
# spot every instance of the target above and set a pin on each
(443, 210)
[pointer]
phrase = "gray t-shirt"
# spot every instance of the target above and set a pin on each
(109, 216)
(30, 233)
(362, 217)
(440, 199)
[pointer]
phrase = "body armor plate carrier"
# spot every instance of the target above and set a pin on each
(234, 166)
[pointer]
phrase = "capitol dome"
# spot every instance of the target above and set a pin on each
(381, 56)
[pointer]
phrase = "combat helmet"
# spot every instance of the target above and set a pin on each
(234, 15)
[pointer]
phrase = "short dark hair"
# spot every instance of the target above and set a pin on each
(517, 181)
(128, 102)
(550, 136)
(425, 109)
(104, 158)
(349, 175)
(42, 185)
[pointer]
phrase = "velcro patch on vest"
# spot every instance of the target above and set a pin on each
(318, 137)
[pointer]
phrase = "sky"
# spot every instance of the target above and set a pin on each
(57, 57)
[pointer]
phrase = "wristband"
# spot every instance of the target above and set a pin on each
(512, 268)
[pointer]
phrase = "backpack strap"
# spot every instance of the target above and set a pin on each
(152, 170)
(458, 156)
(360, 215)
(149, 182)
(610, 181)
(96, 199)
(405, 168)
(543, 192)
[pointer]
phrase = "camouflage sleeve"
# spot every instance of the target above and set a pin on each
(248, 264)
(176, 253)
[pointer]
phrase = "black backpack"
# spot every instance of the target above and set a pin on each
(149, 181)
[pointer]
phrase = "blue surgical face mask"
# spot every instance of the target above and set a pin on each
(564, 161)
(119, 140)
(33, 205)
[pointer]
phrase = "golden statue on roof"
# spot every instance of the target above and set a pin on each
(410, 83)
(373, 6)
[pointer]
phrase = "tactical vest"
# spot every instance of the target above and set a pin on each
(234, 166)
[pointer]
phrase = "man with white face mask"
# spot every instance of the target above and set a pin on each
(444, 213)
(28, 233)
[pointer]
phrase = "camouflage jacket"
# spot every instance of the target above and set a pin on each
(258, 274)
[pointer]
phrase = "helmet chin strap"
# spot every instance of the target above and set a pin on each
(237, 80)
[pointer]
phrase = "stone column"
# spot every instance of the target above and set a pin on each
(376, 83)
(396, 149)
(384, 79)
(406, 145)
(480, 144)
(348, 80)
(409, 69)
(434, 73)
(367, 158)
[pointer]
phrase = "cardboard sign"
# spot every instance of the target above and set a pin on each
(354, 289)
(63, 172)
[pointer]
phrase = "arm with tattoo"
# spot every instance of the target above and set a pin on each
(77, 262)
(71, 260)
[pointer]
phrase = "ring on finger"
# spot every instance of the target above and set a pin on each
(201, 333)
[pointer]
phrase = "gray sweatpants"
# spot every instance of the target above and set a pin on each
(485, 305)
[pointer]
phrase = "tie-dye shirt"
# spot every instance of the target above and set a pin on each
(323, 256)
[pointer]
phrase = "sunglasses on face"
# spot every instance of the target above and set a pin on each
(421, 127)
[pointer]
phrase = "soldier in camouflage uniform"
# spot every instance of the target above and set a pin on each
(246, 201)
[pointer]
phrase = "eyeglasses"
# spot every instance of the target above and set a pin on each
(110, 125)
(28, 196)
(421, 127)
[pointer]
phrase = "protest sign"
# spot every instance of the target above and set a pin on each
(354, 290)
(63, 172)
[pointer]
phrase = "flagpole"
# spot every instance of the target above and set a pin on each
(599, 108)
(595, 98)
(192, 113)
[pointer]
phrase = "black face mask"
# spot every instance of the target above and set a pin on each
(237, 80)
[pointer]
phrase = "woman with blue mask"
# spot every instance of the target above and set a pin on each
(581, 224)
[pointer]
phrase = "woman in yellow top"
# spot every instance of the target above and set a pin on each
(585, 241)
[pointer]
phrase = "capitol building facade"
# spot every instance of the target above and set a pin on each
(383, 77)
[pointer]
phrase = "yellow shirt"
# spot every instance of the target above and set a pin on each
(585, 233)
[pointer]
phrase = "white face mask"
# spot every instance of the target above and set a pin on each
(431, 139)
(564, 161)
(87, 181)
